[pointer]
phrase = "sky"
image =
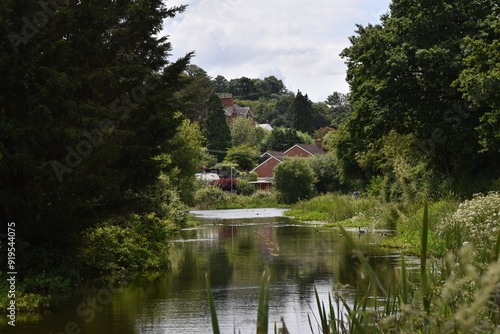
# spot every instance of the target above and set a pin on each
(297, 41)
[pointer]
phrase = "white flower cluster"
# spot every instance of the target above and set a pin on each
(477, 220)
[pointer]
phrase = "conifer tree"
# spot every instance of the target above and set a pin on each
(217, 132)
(87, 106)
(302, 113)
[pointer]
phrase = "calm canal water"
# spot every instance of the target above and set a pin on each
(234, 250)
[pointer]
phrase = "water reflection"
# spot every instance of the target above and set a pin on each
(234, 252)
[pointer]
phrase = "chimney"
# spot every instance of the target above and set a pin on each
(319, 143)
(227, 100)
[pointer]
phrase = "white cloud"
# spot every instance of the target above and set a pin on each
(298, 41)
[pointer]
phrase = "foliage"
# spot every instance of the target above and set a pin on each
(185, 158)
(281, 140)
(207, 159)
(477, 221)
(252, 89)
(480, 80)
(402, 73)
(212, 197)
(25, 301)
(333, 208)
(245, 156)
(216, 130)
(226, 184)
(243, 132)
(294, 179)
(252, 176)
(340, 108)
(137, 243)
(87, 107)
(245, 187)
(325, 170)
(302, 113)
(198, 88)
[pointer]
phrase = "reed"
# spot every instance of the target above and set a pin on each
(458, 294)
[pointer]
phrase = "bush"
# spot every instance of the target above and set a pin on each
(294, 179)
(245, 188)
(137, 243)
(209, 197)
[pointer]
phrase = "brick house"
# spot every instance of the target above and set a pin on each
(233, 110)
(272, 159)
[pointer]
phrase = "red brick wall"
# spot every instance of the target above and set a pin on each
(266, 169)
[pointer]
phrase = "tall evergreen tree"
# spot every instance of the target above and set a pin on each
(217, 132)
(86, 108)
(302, 113)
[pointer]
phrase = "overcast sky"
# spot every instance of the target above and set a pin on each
(298, 41)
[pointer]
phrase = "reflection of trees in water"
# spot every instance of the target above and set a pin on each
(220, 269)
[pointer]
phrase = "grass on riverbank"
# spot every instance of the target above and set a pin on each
(372, 213)
(455, 294)
(213, 198)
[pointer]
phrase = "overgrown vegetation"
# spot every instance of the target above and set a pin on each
(455, 294)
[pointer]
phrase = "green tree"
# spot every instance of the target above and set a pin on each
(243, 88)
(281, 139)
(302, 113)
(198, 87)
(216, 130)
(294, 179)
(340, 108)
(245, 156)
(87, 106)
(220, 84)
(402, 73)
(326, 173)
(184, 160)
(480, 80)
(243, 132)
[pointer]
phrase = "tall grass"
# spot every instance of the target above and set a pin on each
(262, 309)
(332, 208)
(457, 294)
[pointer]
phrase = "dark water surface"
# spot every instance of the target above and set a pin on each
(234, 250)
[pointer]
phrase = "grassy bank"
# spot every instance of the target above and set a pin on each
(213, 198)
(372, 213)
(456, 293)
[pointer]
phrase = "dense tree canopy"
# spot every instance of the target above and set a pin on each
(402, 75)
(86, 108)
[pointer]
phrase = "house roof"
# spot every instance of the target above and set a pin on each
(277, 155)
(241, 111)
(265, 126)
(311, 149)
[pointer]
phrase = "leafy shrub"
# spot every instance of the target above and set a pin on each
(245, 188)
(137, 243)
(209, 197)
(252, 176)
(294, 179)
